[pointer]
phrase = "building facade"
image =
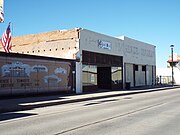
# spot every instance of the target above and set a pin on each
(102, 61)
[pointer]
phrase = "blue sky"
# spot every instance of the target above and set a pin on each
(153, 21)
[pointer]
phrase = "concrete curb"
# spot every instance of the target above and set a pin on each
(33, 106)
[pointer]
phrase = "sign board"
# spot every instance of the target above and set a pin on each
(104, 44)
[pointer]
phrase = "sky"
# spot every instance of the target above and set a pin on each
(156, 22)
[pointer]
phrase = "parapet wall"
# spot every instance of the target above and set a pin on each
(46, 36)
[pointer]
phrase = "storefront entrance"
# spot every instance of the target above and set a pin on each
(104, 77)
(101, 71)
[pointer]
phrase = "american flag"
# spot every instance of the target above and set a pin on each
(6, 40)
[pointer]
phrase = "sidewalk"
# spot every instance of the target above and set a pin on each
(28, 103)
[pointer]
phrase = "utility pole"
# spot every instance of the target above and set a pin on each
(172, 47)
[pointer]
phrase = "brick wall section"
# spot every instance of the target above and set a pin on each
(46, 36)
(60, 44)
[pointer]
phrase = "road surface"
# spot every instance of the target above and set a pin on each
(155, 113)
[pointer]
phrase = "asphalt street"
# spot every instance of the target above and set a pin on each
(152, 113)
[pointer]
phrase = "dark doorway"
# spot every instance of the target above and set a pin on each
(104, 77)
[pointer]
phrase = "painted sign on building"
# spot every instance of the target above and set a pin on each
(104, 44)
(24, 75)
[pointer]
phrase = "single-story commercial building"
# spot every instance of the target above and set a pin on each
(102, 61)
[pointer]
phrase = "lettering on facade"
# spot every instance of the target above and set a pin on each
(22, 80)
(36, 82)
(4, 83)
(135, 51)
(146, 52)
(26, 84)
(7, 85)
(132, 50)
(104, 44)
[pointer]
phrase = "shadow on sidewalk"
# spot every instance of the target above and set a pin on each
(21, 103)
(10, 116)
(29, 103)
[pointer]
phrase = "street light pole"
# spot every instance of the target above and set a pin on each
(172, 46)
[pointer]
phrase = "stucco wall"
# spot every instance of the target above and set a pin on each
(138, 52)
(129, 74)
(139, 77)
(89, 41)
